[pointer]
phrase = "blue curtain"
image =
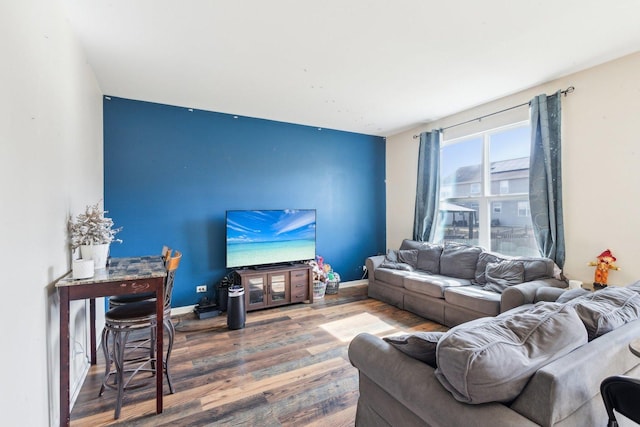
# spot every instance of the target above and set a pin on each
(428, 186)
(545, 179)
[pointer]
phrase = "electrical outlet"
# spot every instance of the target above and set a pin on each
(201, 288)
(364, 268)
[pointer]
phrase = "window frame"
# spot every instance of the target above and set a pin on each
(485, 198)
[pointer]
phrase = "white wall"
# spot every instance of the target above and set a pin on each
(50, 167)
(601, 154)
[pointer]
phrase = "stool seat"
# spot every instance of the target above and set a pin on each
(130, 298)
(144, 310)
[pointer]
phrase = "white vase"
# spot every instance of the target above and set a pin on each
(98, 253)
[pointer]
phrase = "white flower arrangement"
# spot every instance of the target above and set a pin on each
(92, 228)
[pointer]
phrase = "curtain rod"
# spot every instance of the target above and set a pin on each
(568, 90)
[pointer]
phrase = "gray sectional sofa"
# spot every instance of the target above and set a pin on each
(453, 283)
(535, 365)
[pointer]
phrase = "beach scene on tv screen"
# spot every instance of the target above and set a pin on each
(270, 236)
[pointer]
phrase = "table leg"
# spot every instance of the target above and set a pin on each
(159, 345)
(92, 326)
(64, 357)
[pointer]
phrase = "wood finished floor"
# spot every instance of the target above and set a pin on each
(287, 367)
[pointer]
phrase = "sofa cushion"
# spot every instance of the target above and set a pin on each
(491, 359)
(459, 260)
(537, 268)
(634, 286)
(414, 244)
(500, 275)
(433, 285)
(606, 310)
(474, 298)
(570, 294)
(429, 259)
(391, 276)
(534, 267)
(419, 345)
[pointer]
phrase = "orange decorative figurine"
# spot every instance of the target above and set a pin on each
(603, 265)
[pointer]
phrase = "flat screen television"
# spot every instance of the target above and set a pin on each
(264, 237)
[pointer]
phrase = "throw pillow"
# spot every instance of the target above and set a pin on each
(491, 359)
(605, 310)
(392, 256)
(500, 275)
(408, 257)
(419, 345)
(393, 261)
(396, 266)
(483, 259)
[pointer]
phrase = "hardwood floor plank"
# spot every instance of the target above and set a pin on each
(287, 367)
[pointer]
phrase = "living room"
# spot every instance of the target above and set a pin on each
(56, 159)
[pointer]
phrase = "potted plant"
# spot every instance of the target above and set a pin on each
(92, 232)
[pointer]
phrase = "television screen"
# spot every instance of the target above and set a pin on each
(262, 237)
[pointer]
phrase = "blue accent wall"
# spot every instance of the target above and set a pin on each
(171, 173)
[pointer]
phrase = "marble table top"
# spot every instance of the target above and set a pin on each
(129, 268)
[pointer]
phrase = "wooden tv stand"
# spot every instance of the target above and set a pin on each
(274, 286)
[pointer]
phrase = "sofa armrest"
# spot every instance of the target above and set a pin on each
(548, 293)
(413, 384)
(525, 293)
(372, 263)
(566, 391)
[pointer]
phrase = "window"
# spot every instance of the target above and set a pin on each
(484, 190)
(504, 187)
(523, 209)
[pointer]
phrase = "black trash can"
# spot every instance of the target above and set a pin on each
(236, 313)
(222, 295)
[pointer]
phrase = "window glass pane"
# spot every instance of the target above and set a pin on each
(459, 222)
(460, 168)
(511, 232)
(509, 156)
(500, 220)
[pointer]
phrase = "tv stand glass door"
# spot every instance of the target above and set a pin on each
(256, 295)
(278, 288)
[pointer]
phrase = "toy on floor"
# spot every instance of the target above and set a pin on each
(603, 265)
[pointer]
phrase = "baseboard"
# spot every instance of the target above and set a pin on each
(354, 283)
(178, 311)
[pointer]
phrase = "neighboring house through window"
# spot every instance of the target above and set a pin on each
(484, 190)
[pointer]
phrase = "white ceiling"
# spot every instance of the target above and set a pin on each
(369, 66)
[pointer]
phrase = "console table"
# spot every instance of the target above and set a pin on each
(122, 276)
(274, 286)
